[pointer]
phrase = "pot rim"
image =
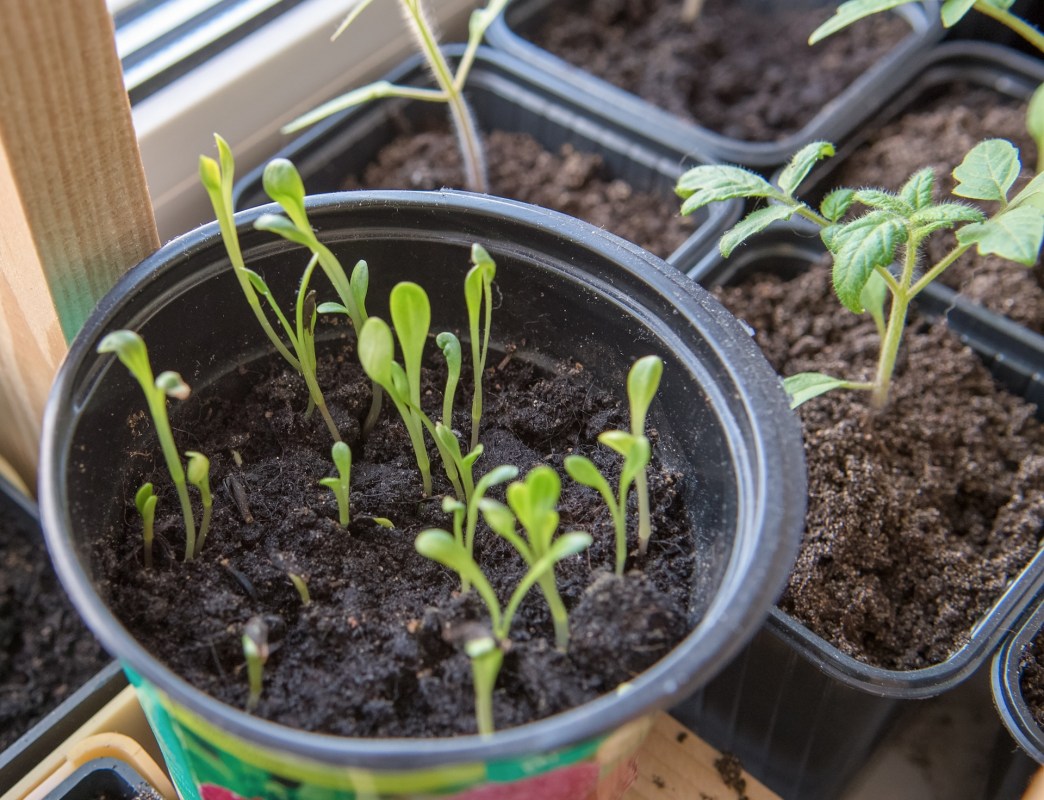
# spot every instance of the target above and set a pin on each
(774, 476)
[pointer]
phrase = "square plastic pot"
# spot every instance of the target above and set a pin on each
(22, 755)
(108, 778)
(801, 715)
(505, 94)
(836, 120)
(576, 292)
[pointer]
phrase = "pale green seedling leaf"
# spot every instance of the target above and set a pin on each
(754, 222)
(643, 380)
(953, 11)
(636, 459)
(450, 346)
(583, 470)
(411, 316)
(282, 182)
(360, 283)
(377, 351)
(1015, 235)
(130, 349)
(569, 544)
(198, 468)
(209, 174)
(988, 171)
(917, 191)
(852, 11)
(618, 441)
(384, 522)
(861, 246)
(498, 516)
(836, 204)
(708, 184)
(804, 386)
(440, 546)
(801, 164)
(172, 385)
(142, 496)
(332, 308)
(342, 457)
(281, 226)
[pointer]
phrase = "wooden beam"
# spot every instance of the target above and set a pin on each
(75, 211)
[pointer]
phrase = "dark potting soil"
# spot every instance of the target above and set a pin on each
(569, 181)
(938, 135)
(743, 68)
(1031, 678)
(45, 650)
(919, 516)
(377, 652)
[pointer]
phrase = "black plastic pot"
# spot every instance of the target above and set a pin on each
(982, 28)
(577, 292)
(801, 715)
(1006, 676)
(834, 122)
(23, 754)
(505, 95)
(108, 778)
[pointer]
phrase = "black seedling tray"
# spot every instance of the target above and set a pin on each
(801, 715)
(835, 121)
(1006, 677)
(506, 95)
(108, 778)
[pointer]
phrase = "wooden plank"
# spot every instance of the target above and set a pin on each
(74, 205)
(674, 764)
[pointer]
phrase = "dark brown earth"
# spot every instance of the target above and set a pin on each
(569, 181)
(45, 650)
(939, 135)
(376, 652)
(919, 516)
(1031, 678)
(742, 69)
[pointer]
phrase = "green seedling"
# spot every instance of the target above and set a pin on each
(411, 316)
(450, 347)
(342, 459)
(198, 473)
(896, 224)
(450, 85)
(301, 587)
(478, 296)
(533, 503)
(951, 11)
(384, 522)
(255, 651)
(217, 180)
(440, 546)
(130, 349)
(636, 452)
(1035, 124)
(465, 516)
(145, 501)
(282, 182)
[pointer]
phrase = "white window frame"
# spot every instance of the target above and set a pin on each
(248, 91)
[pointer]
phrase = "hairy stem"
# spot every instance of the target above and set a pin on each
(896, 325)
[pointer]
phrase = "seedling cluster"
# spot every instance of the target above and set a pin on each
(392, 356)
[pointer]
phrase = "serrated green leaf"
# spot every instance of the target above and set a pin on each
(830, 236)
(801, 164)
(950, 213)
(1015, 235)
(988, 171)
(836, 204)
(708, 184)
(953, 11)
(878, 198)
(804, 386)
(754, 222)
(863, 245)
(852, 11)
(917, 191)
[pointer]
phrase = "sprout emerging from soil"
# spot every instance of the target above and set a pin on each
(486, 656)
(865, 247)
(478, 296)
(282, 182)
(145, 501)
(450, 347)
(198, 473)
(533, 503)
(951, 11)
(255, 651)
(411, 316)
(450, 84)
(302, 588)
(130, 349)
(342, 459)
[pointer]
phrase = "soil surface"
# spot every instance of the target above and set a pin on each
(569, 181)
(45, 650)
(939, 135)
(919, 516)
(740, 69)
(378, 651)
(1031, 678)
